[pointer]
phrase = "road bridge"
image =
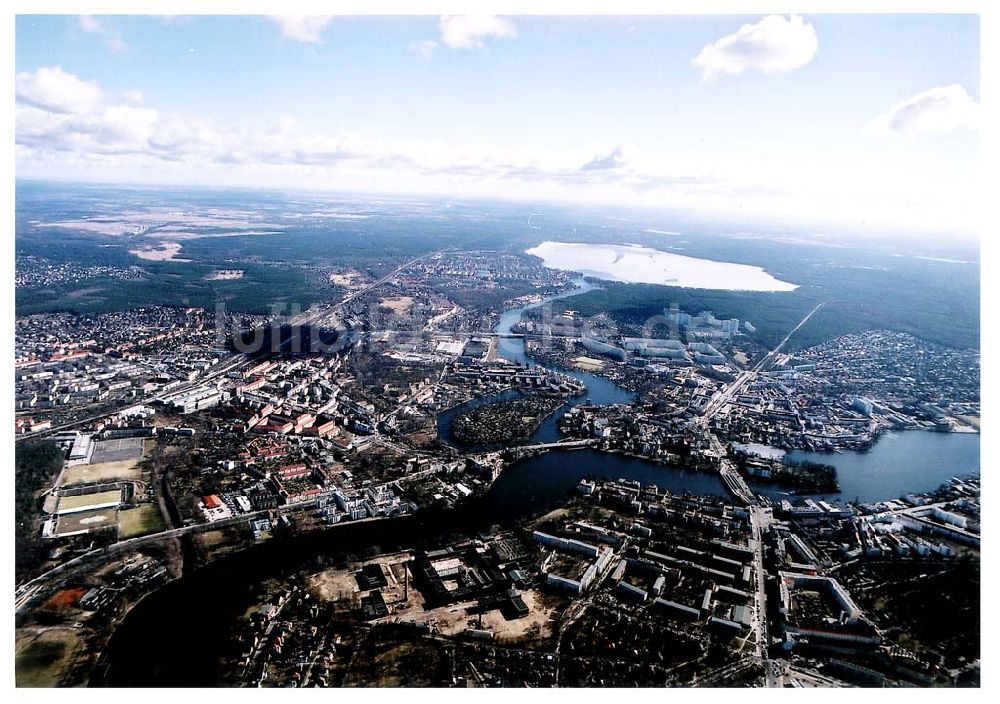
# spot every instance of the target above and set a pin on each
(566, 445)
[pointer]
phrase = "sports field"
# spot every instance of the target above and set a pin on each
(78, 503)
(117, 450)
(140, 520)
(87, 520)
(113, 460)
(126, 470)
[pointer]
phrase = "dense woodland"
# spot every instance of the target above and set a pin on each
(34, 465)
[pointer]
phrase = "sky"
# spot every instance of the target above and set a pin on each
(855, 120)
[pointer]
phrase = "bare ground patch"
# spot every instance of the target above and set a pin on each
(166, 252)
(398, 304)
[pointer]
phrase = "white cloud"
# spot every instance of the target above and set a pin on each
(773, 45)
(111, 38)
(67, 127)
(89, 23)
(302, 28)
(133, 97)
(469, 31)
(940, 109)
(425, 48)
(615, 159)
(57, 91)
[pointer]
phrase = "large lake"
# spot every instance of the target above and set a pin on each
(637, 264)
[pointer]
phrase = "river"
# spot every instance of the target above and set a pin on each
(900, 463)
(599, 389)
(178, 635)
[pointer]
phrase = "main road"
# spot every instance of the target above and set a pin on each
(727, 470)
(737, 385)
(760, 516)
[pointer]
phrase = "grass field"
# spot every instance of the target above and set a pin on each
(43, 656)
(69, 503)
(140, 520)
(86, 520)
(124, 470)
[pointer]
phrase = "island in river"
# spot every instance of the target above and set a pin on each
(502, 421)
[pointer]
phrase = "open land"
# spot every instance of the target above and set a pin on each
(165, 252)
(140, 520)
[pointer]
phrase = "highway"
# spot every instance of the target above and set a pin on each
(760, 516)
(737, 385)
(760, 520)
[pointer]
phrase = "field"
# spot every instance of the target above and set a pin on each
(588, 364)
(112, 460)
(117, 450)
(335, 585)
(348, 279)
(125, 470)
(69, 503)
(66, 598)
(87, 520)
(398, 304)
(43, 656)
(140, 520)
(225, 275)
(166, 252)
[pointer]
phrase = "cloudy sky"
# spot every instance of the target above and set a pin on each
(856, 120)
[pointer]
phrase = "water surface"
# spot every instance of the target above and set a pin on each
(637, 264)
(912, 461)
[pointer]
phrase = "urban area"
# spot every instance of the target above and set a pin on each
(158, 442)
